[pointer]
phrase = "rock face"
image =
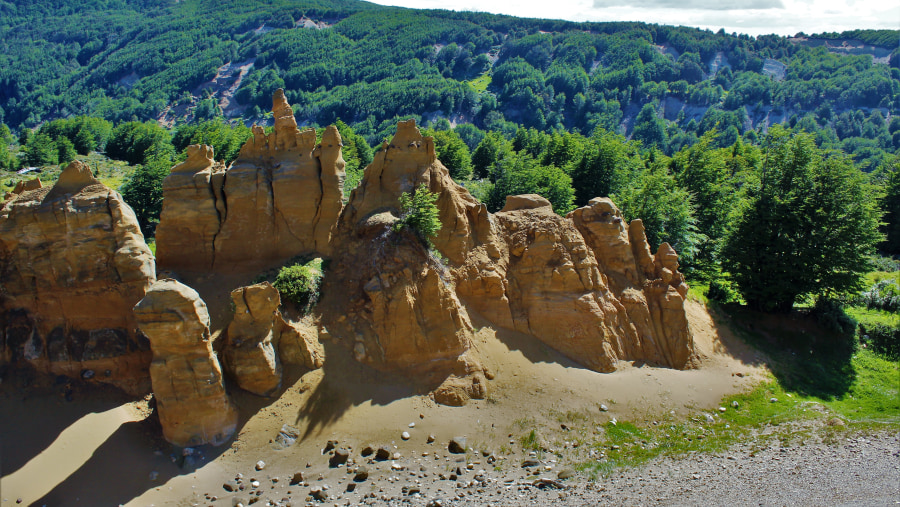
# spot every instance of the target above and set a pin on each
(402, 312)
(649, 286)
(281, 197)
(260, 340)
(187, 379)
(586, 284)
(73, 263)
(192, 213)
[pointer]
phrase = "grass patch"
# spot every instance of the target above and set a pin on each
(868, 317)
(816, 376)
(480, 84)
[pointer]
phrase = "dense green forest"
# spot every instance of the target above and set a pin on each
(769, 163)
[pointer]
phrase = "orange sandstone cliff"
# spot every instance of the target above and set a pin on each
(281, 197)
(77, 278)
(73, 263)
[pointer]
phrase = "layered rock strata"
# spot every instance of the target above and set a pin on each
(73, 263)
(187, 378)
(281, 197)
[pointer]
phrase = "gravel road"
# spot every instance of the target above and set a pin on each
(859, 470)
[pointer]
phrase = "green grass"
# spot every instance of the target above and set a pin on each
(811, 383)
(868, 316)
(481, 83)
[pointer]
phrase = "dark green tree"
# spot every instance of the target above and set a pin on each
(40, 150)
(65, 150)
(143, 192)
(519, 173)
(649, 128)
(489, 151)
(452, 152)
(891, 207)
(609, 164)
(666, 210)
(133, 141)
(420, 214)
(703, 171)
(808, 228)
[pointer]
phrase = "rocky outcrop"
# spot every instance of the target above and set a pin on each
(73, 263)
(399, 310)
(402, 312)
(22, 187)
(260, 340)
(649, 286)
(192, 213)
(281, 197)
(251, 356)
(403, 165)
(586, 284)
(187, 379)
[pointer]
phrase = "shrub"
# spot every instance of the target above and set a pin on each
(884, 295)
(300, 283)
(831, 315)
(420, 214)
(882, 339)
(722, 291)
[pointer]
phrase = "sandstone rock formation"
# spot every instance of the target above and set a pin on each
(193, 209)
(73, 263)
(402, 312)
(23, 186)
(187, 379)
(585, 284)
(649, 286)
(281, 197)
(260, 340)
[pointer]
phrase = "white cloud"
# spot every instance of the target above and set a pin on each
(754, 17)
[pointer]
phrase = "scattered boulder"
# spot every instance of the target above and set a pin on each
(362, 473)
(383, 453)
(339, 458)
(186, 376)
(457, 445)
(566, 473)
(73, 263)
(250, 354)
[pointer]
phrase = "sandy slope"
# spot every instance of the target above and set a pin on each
(106, 451)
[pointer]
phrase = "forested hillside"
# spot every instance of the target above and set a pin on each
(366, 64)
(708, 137)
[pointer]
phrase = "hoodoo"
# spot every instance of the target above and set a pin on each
(73, 263)
(282, 196)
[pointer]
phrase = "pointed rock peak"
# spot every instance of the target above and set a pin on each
(199, 157)
(74, 177)
(525, 201)
(666, 257)
(282, 112)
(331, 137)
(409, 139)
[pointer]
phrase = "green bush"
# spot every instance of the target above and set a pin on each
(831, 315)
(300, 283)
(882, 339)
(884, 295)
(722, 291)
(420, 214)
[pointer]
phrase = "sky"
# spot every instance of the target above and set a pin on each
(753, 17)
